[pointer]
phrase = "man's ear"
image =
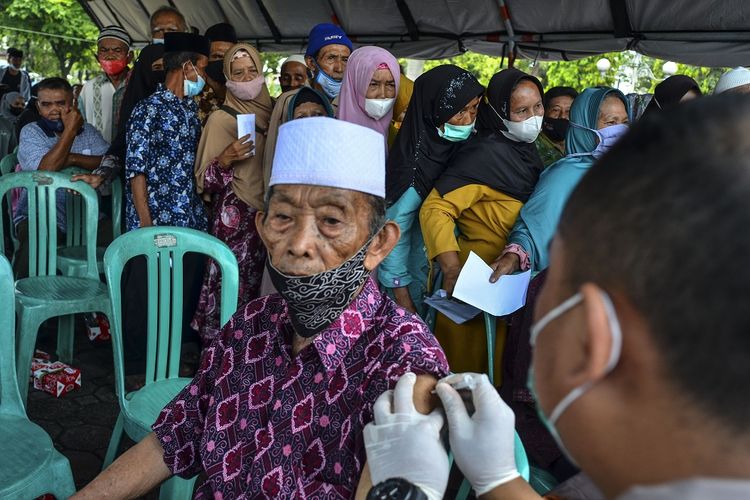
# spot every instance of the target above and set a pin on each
(259, 217)
(598, 340)
(310, 61)
(382, 244)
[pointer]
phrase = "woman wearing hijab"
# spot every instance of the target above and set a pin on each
(598, 118)
(229, 171)
(480, 194)
(440, 116)
(302, 102)
(369, 90)
(11, 107)
(674, 90)
(405, 91)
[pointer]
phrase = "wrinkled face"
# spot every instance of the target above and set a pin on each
(166, 22)
(191, 71)
(382, 85)
(467, 115)
(559, 107)
(51, 103)
(217, 50)
(293, 75)
(111, 49)
(525, 102)
(15, 61)
(309, 110)
(311, 229)
(243, 70)
(332, 60)
(611, 112)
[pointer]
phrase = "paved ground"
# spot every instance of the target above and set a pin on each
(80, 422)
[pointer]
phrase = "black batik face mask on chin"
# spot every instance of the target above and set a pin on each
(318, 300)
(215, 71)
(556, 128)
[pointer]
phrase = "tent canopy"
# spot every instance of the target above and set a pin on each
(699, 32)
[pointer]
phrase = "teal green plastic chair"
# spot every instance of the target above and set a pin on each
(522, 464)
(30, 466)
(43, 294)
(164, 249)
(8, 162)
(71, 258)
(490, 329)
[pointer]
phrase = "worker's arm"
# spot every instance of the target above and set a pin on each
(135, 473)
(517, 489)
(140, 199)
(57, 157)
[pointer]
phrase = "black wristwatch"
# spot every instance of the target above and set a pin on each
(396, 489)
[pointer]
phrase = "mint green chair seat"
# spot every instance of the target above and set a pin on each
(164, 249)
(8, 162)
(71, 258)
(30, 466)
(43, 294)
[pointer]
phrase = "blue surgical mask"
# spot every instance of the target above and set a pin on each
(330, 86)
(51, 126)
(576, 392)
(158, 41)
(608, 136)
(192, 88)
(456, 133)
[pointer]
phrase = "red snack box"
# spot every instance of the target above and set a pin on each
(55, 378)
(97, 327)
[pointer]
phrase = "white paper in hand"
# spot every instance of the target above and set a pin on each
(246, 125)
(505, 296)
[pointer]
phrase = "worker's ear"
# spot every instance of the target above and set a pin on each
(382, 244)
(599, 337)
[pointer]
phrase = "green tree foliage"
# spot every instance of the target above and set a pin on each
(582, 73)
(50, 55)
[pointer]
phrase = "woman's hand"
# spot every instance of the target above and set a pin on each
(450, 265)
(505, 264)
(237, 151)
(402, 298)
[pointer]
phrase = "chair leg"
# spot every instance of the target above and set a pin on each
(25, 342)
(114, 442)
(64, 486)
(65, 337)
(464, 490)
(490, 327)
(177, 488)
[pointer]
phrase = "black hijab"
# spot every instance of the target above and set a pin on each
(491, 159)
(674, 88)
(419, 154)
(142, 83)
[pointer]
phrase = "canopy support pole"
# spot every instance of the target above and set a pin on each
(505, 15)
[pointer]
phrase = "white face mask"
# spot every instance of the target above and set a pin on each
(525, 131)
(378, 108)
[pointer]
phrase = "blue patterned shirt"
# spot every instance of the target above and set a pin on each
(162, 139)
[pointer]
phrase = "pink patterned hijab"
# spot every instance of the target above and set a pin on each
(362, 64)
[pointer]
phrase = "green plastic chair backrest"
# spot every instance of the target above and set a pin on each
(76, 217)
(10, 399)
(41, 189)
(164, 248)
(8, 162)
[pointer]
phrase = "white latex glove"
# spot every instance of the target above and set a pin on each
(405, 443)
(483, 445)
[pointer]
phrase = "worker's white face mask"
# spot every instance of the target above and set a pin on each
(378, 108)
(576, 392)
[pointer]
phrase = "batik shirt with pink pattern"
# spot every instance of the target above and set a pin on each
(263, 424)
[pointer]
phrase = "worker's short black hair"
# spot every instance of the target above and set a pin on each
(14, 52)
(663, 219)
(54, 83)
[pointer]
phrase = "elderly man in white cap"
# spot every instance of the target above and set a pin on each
(294, 73)
(101, 96)
(736, 80)
(281, 398)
